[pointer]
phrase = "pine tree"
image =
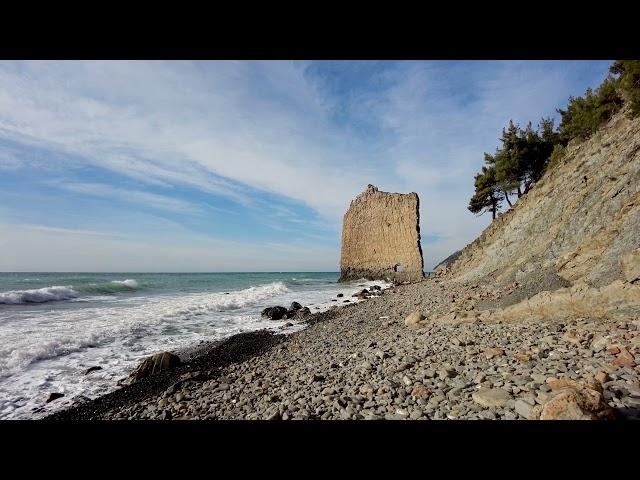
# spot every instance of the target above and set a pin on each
(487, 196)
(505, 162)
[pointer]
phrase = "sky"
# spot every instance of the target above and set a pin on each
(176, 166)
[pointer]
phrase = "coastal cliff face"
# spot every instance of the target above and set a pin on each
(574, 226)
(381, 237)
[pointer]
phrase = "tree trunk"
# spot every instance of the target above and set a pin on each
(519, 192)
(493, 210)
(506, 196)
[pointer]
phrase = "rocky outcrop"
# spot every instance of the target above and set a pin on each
(620, 299)
(574, 226)
(381, 237)
(296, 311)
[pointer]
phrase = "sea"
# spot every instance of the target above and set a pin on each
(55, 326)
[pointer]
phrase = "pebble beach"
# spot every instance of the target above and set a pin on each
(361, 361)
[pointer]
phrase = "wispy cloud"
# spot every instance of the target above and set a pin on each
(72, 231)
(289, 142)
(133, 196)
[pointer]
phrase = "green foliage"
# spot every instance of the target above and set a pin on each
(522, 158)
(585, 114)
(505, 161)
(487, 196)
(629, 82)
(556, 156)
(525, 154)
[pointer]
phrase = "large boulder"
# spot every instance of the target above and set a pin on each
(571, 400)
(415, 320)
(274, 313)
(295, 306)
(154, 364)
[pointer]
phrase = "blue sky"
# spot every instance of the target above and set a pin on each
(247, 166)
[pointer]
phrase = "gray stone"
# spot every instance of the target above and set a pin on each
(491, 397)
(523, 408)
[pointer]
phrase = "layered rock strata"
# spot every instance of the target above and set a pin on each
(381, 237)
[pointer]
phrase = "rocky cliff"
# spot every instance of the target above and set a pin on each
(577, 222)
(576, 233)
(381, 237)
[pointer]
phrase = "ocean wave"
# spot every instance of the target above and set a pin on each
(110, 288)
(37, 295)
(127, 283)
(72, 331)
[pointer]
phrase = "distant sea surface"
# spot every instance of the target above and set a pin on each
(54, 326)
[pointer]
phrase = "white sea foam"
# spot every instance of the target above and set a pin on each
(49, 350)
(70, 331)
(127, 283)
(37, 295)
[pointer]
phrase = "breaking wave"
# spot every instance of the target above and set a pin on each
(113, 287)
(57, 293)
(72, 331)
(37, 295)
(127, 283)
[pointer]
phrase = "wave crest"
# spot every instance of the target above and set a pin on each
(127, 283)
(110, 288)
(73, 331)
(37, 295)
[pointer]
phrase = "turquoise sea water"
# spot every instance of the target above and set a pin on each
(53, 326)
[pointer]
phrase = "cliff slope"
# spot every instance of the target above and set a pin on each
(574, 226)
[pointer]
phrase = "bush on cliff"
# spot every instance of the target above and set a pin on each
(629, 82)
(585, 114)
(556, 156)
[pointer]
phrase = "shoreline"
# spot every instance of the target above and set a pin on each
(361, 361)
(117, 332)
(205, 358)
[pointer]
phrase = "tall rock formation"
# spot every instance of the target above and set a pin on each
(381, 237)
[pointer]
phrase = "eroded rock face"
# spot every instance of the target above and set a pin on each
(619, 299)
(381, 237)
(630, 264)
(576, 229)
